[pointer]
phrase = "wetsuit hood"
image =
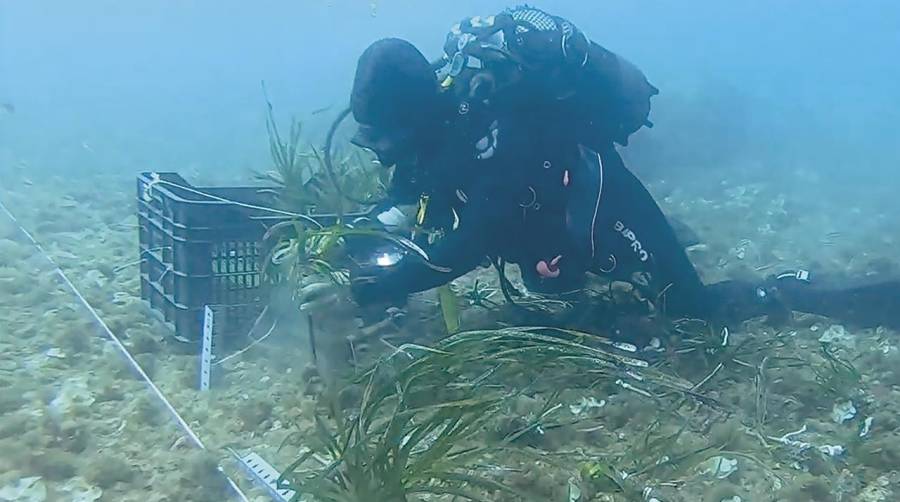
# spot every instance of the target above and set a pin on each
(394, 98)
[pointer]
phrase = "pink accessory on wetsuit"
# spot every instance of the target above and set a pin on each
(549, 270)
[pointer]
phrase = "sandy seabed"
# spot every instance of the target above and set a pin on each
(77, 424)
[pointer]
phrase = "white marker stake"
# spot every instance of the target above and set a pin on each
(206, 349)
(264, 475)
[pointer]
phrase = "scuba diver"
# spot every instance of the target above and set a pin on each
(507, 147)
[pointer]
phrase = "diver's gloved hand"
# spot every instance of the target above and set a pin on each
(319, 294)
(366, 289)
(334, 306)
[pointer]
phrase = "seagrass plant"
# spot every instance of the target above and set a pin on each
(396, 446)
(421, 424)
(301, 179)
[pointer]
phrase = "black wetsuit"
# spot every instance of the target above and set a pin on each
(531, 175)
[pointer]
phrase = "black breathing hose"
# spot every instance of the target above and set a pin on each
(329, 140)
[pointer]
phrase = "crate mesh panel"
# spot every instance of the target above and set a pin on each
(199, 252)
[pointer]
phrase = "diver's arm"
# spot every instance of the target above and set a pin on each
(458, 252)
(383, 284)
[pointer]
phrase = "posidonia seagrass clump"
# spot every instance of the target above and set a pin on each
(425, 416)
(306, 179)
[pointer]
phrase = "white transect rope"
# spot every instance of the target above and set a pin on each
(248, 347)
(157, 181)
(182, 424)
(304, 217)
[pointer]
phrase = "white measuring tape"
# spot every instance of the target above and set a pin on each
(182, 424)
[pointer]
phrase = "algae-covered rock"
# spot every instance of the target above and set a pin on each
(880, 452)
(148, 411)
(836, 334)
(724, 492)
(140, 342)
(254, 413)
(110, 392)
(106, 472)
(877, 491)
(841, 412)
(729, 434)
(148, 363)
(10, 400)
(719, 467)
(73, 436)
(201, 479)
(29, 489)
(77, 489)
(53, 464)
(814, 488)
(75, 341)
(74, 396)
(15, 424)
(13, 251)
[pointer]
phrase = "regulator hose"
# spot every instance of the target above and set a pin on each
(329, 166)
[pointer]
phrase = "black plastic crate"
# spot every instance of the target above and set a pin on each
(198, 251)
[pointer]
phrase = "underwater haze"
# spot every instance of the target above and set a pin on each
(177, 84)
(775, 141)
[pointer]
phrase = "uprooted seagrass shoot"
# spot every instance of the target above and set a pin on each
(487, 395)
